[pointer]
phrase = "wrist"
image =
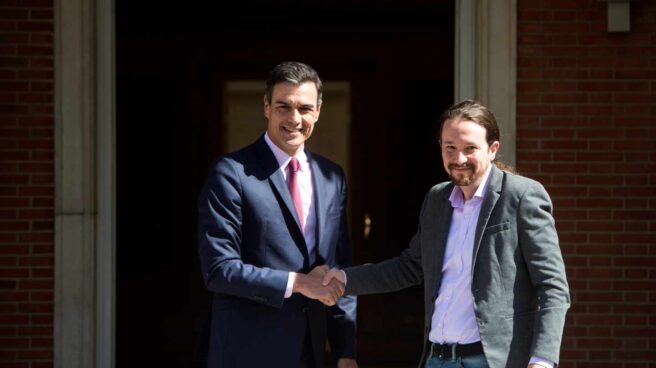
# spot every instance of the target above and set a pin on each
(299, 283)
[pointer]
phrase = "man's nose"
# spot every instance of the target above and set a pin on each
(461, 158)
(296, 116)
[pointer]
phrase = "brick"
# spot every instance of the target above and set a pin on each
(634, 215)
(36, 261)
(15, 62)
(14, 296)
(46, 296)
(42, 14)
(41, 38)
(563, 145)
(41, 62)
(35, 214)
(15, 342)
(45, 248)
(37, 237)
(35, 307)
(635, 238)
(8, 225)
(36, 3)
(41, 342)
(41, 319)
(36, 284)
(42, 272)
(603, 273)
(35, 354)
(635, 191)
(14, 273)
(39, 26)
(599, 180)
(35, 331)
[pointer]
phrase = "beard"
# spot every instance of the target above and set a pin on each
(462, 179)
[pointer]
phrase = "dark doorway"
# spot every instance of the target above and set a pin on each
(172, 62)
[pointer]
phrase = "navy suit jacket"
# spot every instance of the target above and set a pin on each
(249, 241)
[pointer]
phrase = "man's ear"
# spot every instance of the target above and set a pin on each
(494, 147)
(316, 117)
(267, 106)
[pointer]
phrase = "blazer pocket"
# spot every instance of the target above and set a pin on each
(497, 228)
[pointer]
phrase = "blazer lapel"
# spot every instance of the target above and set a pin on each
(492, 195)
(436, 237)
(270, 165)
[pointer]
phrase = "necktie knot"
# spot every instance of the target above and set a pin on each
(294, 166)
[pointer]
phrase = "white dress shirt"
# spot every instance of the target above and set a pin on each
(304, 176)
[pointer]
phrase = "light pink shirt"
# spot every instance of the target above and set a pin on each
(454, 320)
(304, 176)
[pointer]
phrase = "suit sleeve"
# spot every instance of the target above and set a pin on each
(341, 318)
(220, 242)
(539, 245)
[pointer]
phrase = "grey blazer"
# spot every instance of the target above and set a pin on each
(519, 286)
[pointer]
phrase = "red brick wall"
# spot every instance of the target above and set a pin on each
(26, 183)
(586, 129)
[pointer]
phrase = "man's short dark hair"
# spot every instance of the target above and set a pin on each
(295, 73)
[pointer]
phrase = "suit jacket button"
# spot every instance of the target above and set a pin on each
(304, 309)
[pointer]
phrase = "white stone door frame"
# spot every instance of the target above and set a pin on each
(85, 184)
(85, 154)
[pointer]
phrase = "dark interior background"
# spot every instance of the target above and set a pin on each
(172, 61)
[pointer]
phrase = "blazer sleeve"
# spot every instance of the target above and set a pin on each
(341, 318)
(394, 274)
(538, 241)
(220, 242)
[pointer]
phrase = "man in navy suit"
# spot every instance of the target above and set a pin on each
(272, 219)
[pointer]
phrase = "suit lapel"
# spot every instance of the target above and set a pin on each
(279, 186)
(492, 195)
(319, 187)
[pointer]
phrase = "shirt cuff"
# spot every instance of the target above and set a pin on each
(290, 284)
(344, 274)
(541, 362)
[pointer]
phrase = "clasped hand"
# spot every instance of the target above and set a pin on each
(321, 284)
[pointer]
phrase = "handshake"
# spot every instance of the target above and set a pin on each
(322, 283)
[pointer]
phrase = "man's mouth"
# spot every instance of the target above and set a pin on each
(292, 130)
(459, 167)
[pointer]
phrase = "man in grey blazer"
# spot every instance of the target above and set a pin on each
(486, 250)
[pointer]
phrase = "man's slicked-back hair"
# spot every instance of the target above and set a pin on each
(295, 73)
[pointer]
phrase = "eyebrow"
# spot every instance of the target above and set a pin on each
(287, 103)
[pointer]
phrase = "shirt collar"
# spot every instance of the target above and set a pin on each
(457, 198)
(283, 158)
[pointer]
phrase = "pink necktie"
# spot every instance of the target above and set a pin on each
(293, 189)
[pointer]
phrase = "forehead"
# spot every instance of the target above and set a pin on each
(305, 92)
(458, 129)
